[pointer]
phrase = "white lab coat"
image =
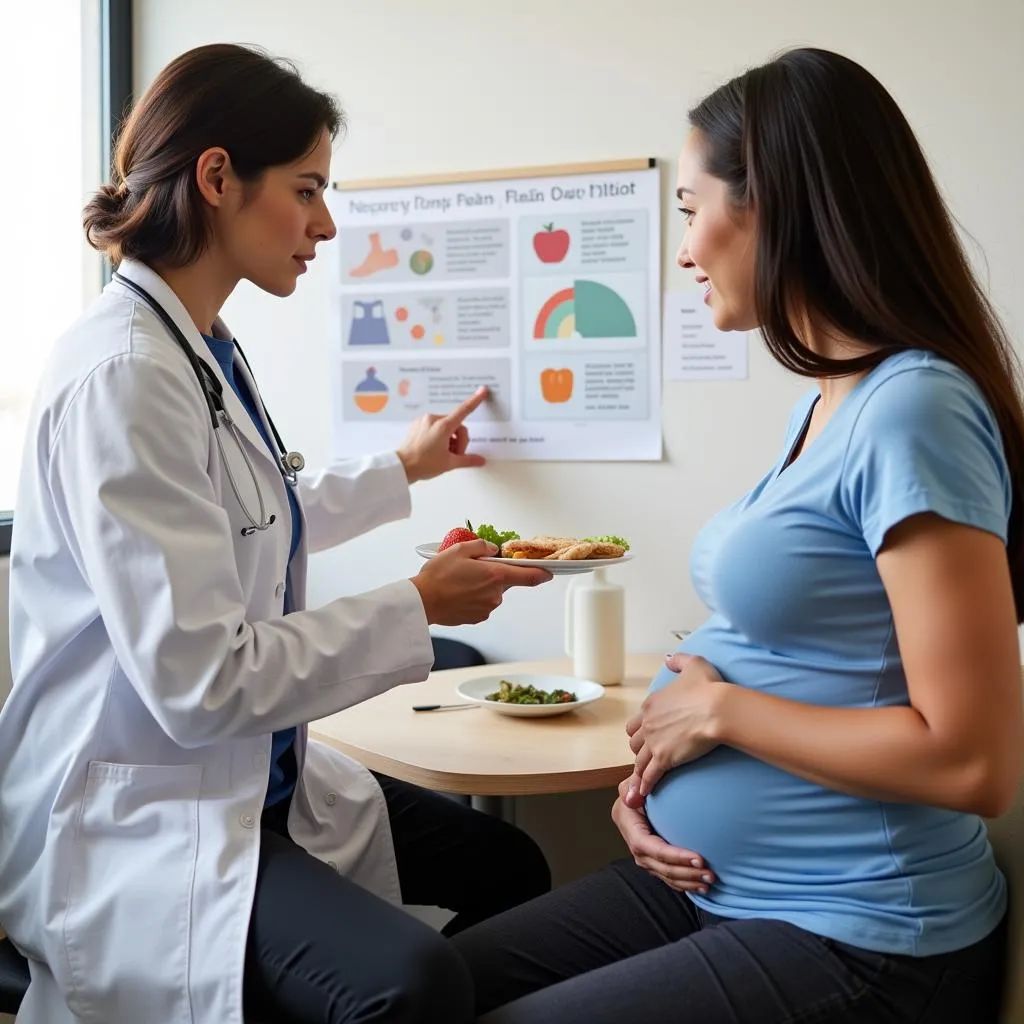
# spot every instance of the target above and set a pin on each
(151, 665)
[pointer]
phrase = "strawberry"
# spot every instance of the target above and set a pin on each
(457, 536)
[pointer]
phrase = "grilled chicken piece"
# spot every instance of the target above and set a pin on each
(559, 549)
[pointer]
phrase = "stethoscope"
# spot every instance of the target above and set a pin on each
(290, 463)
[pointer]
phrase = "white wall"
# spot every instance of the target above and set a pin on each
(460, 84)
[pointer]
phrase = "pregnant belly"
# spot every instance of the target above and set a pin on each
(759, 827)
(762, 829)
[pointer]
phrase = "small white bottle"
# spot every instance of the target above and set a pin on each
(595, 628)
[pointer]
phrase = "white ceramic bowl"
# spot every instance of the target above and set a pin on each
(475, 691)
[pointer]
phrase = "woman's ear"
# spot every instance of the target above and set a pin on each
(214, 175)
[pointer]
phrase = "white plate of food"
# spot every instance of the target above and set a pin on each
(503, 694)
(561, 556)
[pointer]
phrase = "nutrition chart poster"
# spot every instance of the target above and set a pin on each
(543, 285)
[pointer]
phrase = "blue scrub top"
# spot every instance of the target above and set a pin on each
(282, 763)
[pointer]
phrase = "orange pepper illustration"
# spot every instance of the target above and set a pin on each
(556, 385)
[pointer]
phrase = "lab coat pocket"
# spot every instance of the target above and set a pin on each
(128, 918)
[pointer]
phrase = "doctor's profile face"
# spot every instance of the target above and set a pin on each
(268, 230)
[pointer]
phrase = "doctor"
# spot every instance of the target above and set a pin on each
(173, 850)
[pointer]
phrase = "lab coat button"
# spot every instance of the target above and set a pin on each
(247, 820)
(331, 799)
(333, 865)
(279, 590)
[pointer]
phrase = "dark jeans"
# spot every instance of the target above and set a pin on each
(619, 946)
(322, 950)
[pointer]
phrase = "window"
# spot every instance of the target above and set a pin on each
(72, 58)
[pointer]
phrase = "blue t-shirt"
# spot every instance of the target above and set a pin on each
(798, 610)
(282, 781)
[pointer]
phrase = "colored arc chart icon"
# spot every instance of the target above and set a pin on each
(589, 310)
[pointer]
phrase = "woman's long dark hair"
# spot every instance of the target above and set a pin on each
(255, 107)
(853, 233)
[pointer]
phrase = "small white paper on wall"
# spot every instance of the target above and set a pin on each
(693, 348)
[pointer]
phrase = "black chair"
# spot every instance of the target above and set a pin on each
(455, 654)
(13, 977)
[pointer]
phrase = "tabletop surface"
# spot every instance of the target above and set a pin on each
(484, 753)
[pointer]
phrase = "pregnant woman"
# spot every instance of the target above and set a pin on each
(813, 764)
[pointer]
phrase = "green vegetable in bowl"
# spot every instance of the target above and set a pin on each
(487, 532)
(516, 693)
(609, 539)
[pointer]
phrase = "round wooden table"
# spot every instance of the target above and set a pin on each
(482, 753)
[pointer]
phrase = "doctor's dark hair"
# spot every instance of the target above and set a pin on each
(853, 236)
(255, 107)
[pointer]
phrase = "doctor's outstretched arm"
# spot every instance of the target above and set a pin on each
(128, 466)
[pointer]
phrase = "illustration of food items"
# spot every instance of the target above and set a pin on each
(421, 262)
(511, 545)
(550, 245)
(369, 323)
(556, 385)
(416, 330)
(371, 394)
(379, 259)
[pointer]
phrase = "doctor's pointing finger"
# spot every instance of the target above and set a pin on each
(437, 444)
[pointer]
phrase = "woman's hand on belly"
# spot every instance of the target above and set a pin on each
(680, 869)
(674, 725)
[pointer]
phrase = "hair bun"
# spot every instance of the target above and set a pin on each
(111, 198)
(103, 217)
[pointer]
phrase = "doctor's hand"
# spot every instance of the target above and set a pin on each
(457, 588)
(682, 870)
(436, 444)
(675, 724)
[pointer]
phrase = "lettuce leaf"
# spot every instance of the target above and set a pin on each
(487, 532)
(609, 538)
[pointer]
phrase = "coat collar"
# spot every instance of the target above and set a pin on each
(149, 280)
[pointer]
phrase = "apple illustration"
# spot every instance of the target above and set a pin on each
(550, 245)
